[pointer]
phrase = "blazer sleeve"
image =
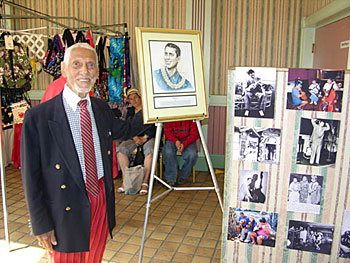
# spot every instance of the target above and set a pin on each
(32, 179)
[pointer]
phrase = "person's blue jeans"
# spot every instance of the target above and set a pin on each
(189, 156)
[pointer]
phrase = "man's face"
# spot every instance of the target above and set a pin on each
(81, 71)
(170, 58)
(252, 75)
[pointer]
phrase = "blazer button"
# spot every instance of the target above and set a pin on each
(63, 186)
(67, 208)
(109, 152)
(57, 166)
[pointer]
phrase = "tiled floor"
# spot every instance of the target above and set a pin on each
(183, 226)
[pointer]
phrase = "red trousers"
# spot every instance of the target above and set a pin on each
(98, 233)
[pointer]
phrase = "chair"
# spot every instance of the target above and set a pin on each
(177, 154)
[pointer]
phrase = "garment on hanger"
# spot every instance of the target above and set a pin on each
(67, 38)
(101, 87)
(89, 38)
(15, 68)
(117, 77)
(80, 37)
(16, 78)
(53, 57)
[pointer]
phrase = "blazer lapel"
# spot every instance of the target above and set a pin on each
(60, 129)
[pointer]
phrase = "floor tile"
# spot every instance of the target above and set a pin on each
(183, 226)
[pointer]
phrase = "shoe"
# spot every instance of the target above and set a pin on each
(181, 181)
(261, 113)
(144, 191)
(246, 113)
(121, 190)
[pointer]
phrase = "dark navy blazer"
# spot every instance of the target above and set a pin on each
(51, 174)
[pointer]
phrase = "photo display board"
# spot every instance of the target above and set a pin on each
(287, 182)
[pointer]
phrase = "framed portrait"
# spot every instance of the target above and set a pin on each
(171, 75)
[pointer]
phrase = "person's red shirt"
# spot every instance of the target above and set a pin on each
(184, 131)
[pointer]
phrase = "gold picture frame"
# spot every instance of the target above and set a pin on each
(171, 75)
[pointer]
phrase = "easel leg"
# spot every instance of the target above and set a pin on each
(150, 185)
(210, 165)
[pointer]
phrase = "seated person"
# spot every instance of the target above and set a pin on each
(254, 91)
(299, 98)
(242, 223)
(314, 89)
(146, 139)
(180, 136)
(330, 96)
(261, 232)
(245, 236)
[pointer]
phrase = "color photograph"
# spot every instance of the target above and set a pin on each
(251, 226)
(315, 89)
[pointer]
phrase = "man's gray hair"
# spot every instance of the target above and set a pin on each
(78, 45)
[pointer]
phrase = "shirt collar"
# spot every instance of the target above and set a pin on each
(72, 98)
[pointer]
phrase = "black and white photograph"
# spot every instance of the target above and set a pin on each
(305, 193)
(172, 66)
(255, 92)
(257, 144)
(251, 226)
(315, 89)
(310, 236)
(252, 186)
(344, 246)
(317, 142)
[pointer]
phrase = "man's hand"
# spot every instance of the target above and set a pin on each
(47, 240)
(179, 146)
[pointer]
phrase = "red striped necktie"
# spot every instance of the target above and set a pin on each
(91, 181)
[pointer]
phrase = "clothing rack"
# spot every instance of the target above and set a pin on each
(33, 14)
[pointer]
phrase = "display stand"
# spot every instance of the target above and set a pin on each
(3, 189)
(171, 188)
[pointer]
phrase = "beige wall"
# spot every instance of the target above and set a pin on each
(256, 33)
(242, 32)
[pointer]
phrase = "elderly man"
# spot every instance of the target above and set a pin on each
(66, 156)
(168, 77)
